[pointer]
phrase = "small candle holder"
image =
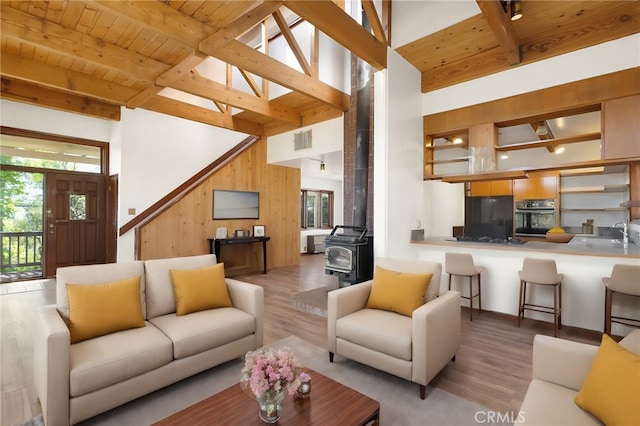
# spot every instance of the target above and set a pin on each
(304, 391)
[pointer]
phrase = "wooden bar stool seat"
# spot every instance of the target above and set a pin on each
(461, 264)
(541, 272)
(624, 280)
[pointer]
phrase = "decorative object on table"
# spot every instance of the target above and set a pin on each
(270, 374)
(557, 235)
(221, 232)
(304, 391)
(258, 230)
(241, 233)
(587, 227)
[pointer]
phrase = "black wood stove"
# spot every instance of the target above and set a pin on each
(349, 255)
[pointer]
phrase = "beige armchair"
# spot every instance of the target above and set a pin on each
(414, 348)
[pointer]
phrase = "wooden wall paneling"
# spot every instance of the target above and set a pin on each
(184, 228)
(621, 128)
(580, 96)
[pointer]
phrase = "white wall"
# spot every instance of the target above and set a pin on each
(327, 140)
(397, 187)
(327, 136)
(152, 153)
(29, 117)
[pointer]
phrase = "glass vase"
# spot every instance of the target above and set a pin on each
(270, 405)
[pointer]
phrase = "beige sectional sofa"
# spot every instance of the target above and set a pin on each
(77, 381)
(559, 370)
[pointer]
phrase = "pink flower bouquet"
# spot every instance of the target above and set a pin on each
(272, 371)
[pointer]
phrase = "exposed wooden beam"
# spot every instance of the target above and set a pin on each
(616, 23)
(21, 91)
(165, 79)
(67, 80)
(187, 111)
(334, 22)
(240, 25)
(501, 26)
(374, 20)
(260, 64)
(252, 84)
(208, 89)
(544, 136)
(291, 40)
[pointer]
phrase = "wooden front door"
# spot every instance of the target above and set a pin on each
(75, 220)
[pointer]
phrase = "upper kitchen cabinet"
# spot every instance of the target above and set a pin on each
(621, 125)
(491, 187)
(581, 124)
(539, 185)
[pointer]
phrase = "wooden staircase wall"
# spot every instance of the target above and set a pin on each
(183, 228)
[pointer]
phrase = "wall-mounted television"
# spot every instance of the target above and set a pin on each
(236, 204)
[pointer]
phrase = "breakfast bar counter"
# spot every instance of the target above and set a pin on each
(584, 261)
(579, 245)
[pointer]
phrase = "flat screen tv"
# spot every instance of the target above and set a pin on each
(236, 204)
(488, 217)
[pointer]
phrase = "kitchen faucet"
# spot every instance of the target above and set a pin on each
(625, 234)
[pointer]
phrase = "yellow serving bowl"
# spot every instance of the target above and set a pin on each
(557, 237)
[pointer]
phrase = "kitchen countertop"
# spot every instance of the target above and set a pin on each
(579, 245)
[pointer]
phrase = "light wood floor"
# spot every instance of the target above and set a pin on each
(492, 368)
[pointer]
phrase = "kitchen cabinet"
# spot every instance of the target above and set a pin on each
(539, 185)
(621, 128)
(491, 187)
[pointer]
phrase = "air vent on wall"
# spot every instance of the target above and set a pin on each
(302, 140)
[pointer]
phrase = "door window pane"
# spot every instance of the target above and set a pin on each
(77, 207)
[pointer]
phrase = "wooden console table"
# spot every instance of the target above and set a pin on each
(216, 243)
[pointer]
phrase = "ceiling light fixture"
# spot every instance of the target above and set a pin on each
(558, 149)
(542, 130)
(516, 10)
(457, 140)
(515, 7)
(504, 156)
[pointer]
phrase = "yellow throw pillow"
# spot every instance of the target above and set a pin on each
(398, 291)
(99, 309)
(200, 289)
(611, 390)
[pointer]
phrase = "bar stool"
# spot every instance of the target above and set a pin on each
(461, 264)
(541, 272)
(625, 279)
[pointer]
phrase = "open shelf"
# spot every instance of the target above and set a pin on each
(595, 189)
(606, 209)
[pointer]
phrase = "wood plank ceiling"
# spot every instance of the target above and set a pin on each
(94, 57)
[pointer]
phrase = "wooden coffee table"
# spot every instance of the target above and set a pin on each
(329, 403)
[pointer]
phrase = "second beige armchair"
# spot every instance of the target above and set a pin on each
(416, 347)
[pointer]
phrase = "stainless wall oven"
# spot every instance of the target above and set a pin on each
(533, 218)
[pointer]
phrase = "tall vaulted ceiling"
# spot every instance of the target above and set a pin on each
(95, 57)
